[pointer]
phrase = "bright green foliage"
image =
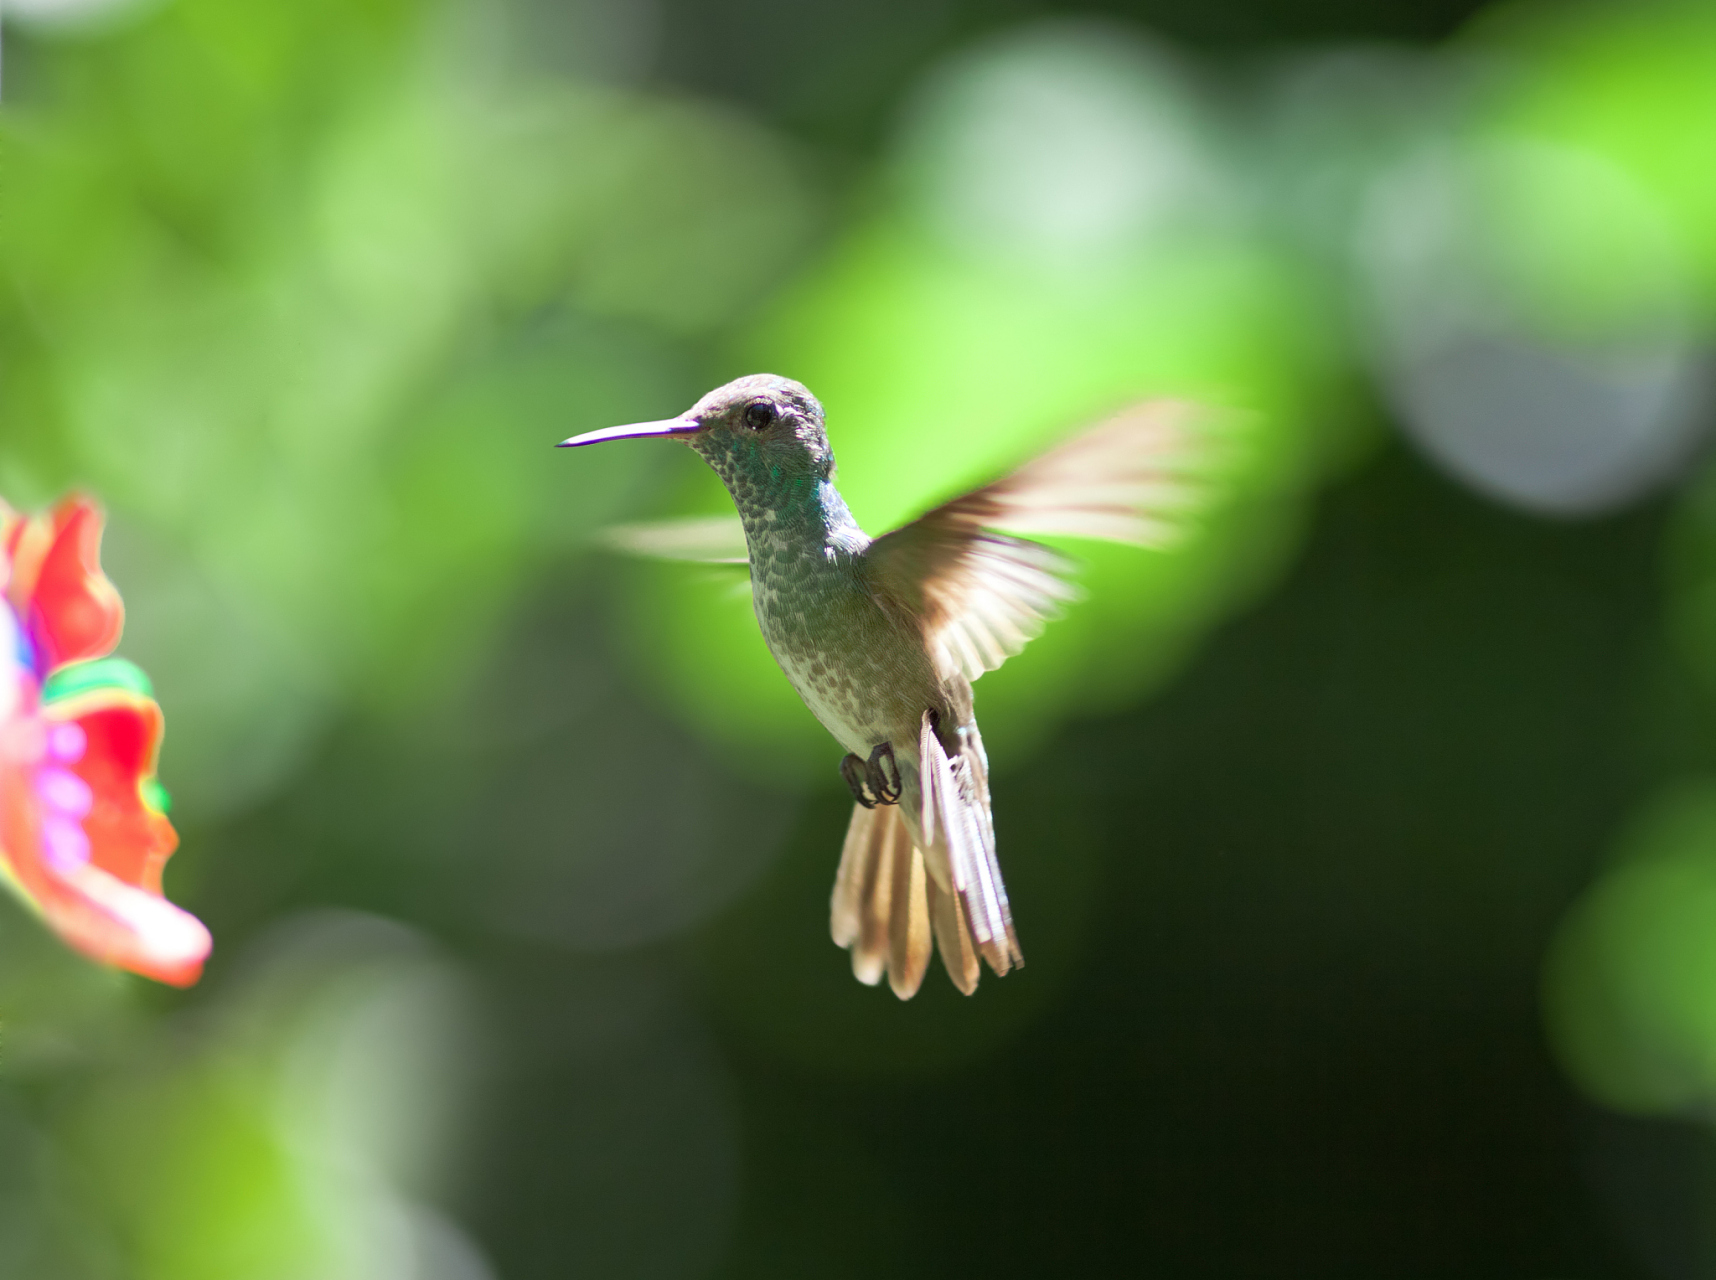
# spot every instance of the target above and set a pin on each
(305, 292)
(1630, 83)
(1631, 985)
(306, 296)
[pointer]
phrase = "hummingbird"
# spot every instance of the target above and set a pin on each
(883, 637)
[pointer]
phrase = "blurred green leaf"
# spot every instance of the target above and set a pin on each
(1631, 981)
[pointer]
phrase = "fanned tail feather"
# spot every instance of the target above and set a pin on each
(956, 826)
(953, 939)
(880, 908)
(891, 896)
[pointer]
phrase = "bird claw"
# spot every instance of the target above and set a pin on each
(874, 781)
(884, 773)
(852, 769)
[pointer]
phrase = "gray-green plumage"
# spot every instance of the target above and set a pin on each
(859, 663)
(882, 638)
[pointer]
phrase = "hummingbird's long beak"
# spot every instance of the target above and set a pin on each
(666, 428)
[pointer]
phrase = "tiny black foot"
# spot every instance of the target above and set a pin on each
(884, 773)
(874, 781)
(857, 780)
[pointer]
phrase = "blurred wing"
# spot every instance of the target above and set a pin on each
(702, 539)
(984, 595)
(1125, 480)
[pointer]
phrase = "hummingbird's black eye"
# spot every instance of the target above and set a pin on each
(759, 414)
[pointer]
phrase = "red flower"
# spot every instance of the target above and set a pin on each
(83, 830)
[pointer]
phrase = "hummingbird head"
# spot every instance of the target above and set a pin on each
(760, 433)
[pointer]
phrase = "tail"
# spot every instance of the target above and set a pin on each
(959, 834)
(887, 900)
(881, 901)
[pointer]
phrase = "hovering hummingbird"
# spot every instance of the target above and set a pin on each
(882, 638)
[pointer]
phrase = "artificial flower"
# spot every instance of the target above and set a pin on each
(84, 834)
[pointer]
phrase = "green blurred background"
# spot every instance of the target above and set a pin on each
(1363, 845)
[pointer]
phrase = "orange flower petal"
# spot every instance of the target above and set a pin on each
(122, 925)
(129, 837)
(72, 611)
(110, 908)
(10, 522)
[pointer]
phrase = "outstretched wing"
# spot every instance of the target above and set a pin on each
(984, 594)
(703, 539)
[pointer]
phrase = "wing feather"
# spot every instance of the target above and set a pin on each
(983, 594)
(703, 539)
